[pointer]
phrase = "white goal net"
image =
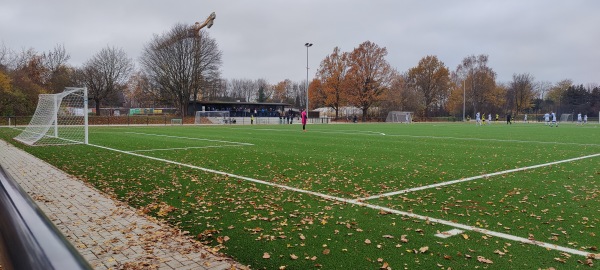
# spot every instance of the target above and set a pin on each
(58, 119)
(566, 117)
(399, 117)
(212, 118)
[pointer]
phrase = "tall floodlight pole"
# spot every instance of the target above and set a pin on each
(307, 46)
(464, 99)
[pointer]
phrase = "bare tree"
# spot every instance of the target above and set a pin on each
(521, 88)
(478, 79)
(180, 66)
(106, 74)
(59, 73)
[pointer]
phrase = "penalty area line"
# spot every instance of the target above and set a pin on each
(187, 138)
(371, 206)
(473, 178)
(184, 148)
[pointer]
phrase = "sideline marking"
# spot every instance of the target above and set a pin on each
(372, 206)
(473, 178)
(187, 138)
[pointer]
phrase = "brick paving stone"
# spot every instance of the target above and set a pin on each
(108, 233)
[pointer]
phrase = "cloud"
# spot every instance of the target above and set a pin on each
(550, 39)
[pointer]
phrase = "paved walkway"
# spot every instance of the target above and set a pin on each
(108, 233)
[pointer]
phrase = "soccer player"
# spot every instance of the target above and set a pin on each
(579, 119)
(478, 119)
(525, 119)
(303, 114)
(553, 120)
(585, 119)
(508, 119)
(489, 119)
(547, 119)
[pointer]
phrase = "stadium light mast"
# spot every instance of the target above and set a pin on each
(464, 99)
(307, 46)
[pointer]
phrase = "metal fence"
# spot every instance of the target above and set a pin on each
(137, 120)
(28, 240)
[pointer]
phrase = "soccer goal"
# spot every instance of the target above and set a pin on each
(566, 117)
(399, 117)
(212, 118)
(58, 119)
(176, 121)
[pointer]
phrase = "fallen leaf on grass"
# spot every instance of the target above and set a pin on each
(266, 255)
(482, 259)
(403, 239)
(293, 256)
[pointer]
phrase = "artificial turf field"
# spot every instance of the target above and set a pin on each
(359, 196)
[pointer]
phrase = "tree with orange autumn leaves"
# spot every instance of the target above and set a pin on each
(333, 82)
(359, 78)
(369, 76)
(432, 78)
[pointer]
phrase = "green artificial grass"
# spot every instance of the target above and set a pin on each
(269, 227)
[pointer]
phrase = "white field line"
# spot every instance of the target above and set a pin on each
(361, 132)
(372, 206)
(347, 132)
(187, 138)
(185, 148)
(491, 140)
(473, 178)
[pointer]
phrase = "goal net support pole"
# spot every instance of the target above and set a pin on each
(85, 116)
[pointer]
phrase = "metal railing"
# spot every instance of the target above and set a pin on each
(28, 240)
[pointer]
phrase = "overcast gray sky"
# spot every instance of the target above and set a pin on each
(549, 39)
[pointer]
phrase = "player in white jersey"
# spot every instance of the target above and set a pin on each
(478, 119)
(489, 119)
(525, 119)
(553, 120)
(547, 119)
(585, 119)
(579, 119)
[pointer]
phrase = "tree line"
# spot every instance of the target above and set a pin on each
(431, 89)
(176, 68)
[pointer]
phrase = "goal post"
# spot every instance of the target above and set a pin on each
(58, 119)
(212, 118)
(399, 117)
